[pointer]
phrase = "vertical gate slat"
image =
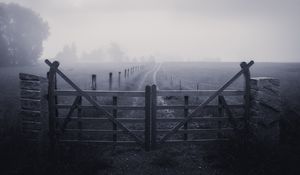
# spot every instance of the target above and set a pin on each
(115, 114)
(186, 113)
(79, 115)
(220, 114)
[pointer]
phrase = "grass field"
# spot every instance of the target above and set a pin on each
(176, 160)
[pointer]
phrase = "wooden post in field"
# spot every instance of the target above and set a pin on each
(52, 105)
(115, 113)
(94, 84)
(110, 81)
(125, 73)
(147, 117)
(186, 113)
(220, 114)
(119, 80)
(153, 116)
(180, 88)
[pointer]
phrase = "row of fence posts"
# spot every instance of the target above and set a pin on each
(128, 72)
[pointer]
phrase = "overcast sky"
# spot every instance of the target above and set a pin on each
(233, 30)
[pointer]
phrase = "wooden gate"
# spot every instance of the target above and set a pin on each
(149, 134)
(57, 129)
(224, 111)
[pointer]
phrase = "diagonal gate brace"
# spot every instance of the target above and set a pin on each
(72, 109)
(93, 102)
(207, 101)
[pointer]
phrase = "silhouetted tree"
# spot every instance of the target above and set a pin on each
(22, 32)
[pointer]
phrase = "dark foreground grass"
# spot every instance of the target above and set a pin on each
(245, 153)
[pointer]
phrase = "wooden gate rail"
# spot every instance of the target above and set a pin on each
(151, 107)
(244, 70)
(53, 70)
(177, 93)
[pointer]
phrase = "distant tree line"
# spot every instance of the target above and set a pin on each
(114, 53)
(22, 32)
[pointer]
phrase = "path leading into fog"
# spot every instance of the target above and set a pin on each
(151, 78)
(146, 80)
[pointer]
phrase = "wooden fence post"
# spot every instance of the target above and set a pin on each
(180, 88)
(147, 117)
(119, 80)
(125, 73)
(115, 114)
(94, 82)
(186, 113)
(52, 105)
(153, 116)
(110, 81)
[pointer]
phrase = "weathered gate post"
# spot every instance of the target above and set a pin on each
(153, 116)
(147, 117)
(52, 105)
(246, 74)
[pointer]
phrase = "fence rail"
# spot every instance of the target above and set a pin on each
(152, 118)
(176, 93)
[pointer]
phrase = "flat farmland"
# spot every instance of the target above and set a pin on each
(178, 159)
(167, 76)
(213, 75)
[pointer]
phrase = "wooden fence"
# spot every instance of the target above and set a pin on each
(150, 135)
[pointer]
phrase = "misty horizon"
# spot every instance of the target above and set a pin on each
(231, 31)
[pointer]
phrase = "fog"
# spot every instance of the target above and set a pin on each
(172, 30)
